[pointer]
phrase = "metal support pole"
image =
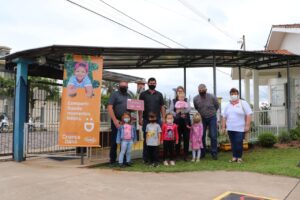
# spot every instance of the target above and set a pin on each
(20, 109)
(240, 81)
(81, 156)
(289, 121)
(184, 79)
(214, 75)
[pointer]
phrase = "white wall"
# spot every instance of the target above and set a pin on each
(291, 43)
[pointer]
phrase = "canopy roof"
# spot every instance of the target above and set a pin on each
(48, 61)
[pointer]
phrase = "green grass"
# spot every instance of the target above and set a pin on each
(267, 161)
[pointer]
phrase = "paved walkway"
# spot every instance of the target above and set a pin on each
(45, 179)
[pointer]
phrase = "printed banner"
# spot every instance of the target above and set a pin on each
(81, 99)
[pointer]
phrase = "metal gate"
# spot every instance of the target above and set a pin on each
(7, 85)
(41, 129)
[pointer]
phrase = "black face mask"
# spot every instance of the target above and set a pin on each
(202, 93)
(123, 89)
(151, 87)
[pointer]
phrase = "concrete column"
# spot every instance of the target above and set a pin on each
(255, 90)
(247, 88)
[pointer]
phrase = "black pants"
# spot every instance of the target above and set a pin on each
(113, 143)
(145, 147)
(184, 135)
(152, 154)
(169, 149)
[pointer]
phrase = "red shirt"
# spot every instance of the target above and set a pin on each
(169, 132)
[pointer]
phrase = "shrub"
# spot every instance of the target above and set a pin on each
(295, 134)
(267, 139)
(284, 137)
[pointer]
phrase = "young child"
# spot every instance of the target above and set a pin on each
(169, 138)
(126, 136)
(153, 132)
(80, 79)
(181, 106)
(196, 133)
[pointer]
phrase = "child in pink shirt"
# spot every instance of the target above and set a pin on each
(196, 133)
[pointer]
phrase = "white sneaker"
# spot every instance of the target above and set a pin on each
(172, 162)
(166, 163)
(198, 160)
(193, 160)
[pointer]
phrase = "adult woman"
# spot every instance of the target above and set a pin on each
(182, 119)
(236, 119)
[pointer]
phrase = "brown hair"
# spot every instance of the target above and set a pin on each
(152, 115)
(233, 90)
(197, 118)
(128, 114)
(168, 115)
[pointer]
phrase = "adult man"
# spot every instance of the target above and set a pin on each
(117, 105)
(207, 105)
(153, 102)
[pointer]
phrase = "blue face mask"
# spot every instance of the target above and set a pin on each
(126, 120)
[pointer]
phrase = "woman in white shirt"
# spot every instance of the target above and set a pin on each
(236, 120)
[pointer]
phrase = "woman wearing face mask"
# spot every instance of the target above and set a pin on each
(126, 137)
(236, 119)
(182, 119)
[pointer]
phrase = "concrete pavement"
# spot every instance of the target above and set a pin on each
(45, 179)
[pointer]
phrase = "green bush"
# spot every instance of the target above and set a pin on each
(284, 137)
(267, 139)
(295, 134)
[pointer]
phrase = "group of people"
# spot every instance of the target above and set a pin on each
(173, 127)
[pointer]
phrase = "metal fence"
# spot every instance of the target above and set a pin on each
(273, 121)
(6, 114)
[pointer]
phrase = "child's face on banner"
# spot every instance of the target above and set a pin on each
(80, 73)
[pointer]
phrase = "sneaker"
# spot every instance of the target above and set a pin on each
(155, 164)
(172, 162)
(193, 160)
(121, 165)
(166, 163)
(233, 160)
(128, 164)
(239, 160)
(185, 158)
(198, 160)
(214, 157)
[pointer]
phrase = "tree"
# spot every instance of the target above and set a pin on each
(49, 86)
(7, 87)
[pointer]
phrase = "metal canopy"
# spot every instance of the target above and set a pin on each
(48, 61)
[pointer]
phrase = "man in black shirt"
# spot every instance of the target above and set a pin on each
(117, 105)
(153, 102)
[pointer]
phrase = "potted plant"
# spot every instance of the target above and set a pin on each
(225, 144)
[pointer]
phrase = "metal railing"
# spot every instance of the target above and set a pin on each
(273, 121)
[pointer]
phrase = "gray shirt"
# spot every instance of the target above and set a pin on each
(119, 102)
(152, 132)
(207, 106)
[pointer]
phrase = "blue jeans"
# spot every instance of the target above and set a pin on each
(211, 123)
(126, 146)
(145, 152)
(236, 140)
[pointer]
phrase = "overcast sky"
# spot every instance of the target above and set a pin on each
(208, 24)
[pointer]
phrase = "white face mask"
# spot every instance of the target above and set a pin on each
(169, 121)
(234, 97)
(126, 120)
